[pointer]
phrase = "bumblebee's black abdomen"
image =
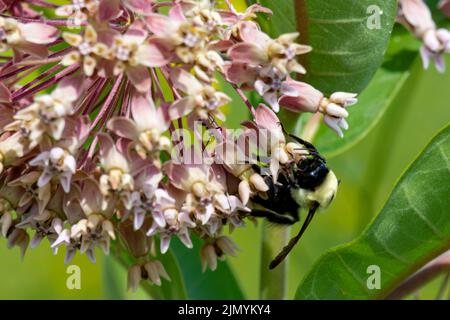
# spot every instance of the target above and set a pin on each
(279, 198)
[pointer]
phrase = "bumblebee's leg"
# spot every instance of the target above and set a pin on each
(275, 217)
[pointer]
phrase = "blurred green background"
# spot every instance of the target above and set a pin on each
(368, 172)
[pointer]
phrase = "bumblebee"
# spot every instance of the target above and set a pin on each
(304, 184)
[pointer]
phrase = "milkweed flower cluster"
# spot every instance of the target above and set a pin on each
(94, 99)
(416, 16)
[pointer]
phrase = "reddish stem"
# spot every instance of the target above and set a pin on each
(66, 72)
(244, 98)
(108, 102)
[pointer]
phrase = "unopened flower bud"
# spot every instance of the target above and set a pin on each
(208, 257)
(198, 189)
(5, 222)
(19, 238)
(108, 227)
(244, 191)
(152, 273)
(300, 97)
(93, 221)
(227, 246)
(155, 270)
(258, 182)
(134, 277)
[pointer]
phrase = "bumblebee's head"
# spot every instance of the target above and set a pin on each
(311, 172)
(319, 186)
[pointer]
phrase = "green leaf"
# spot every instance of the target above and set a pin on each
(346, 54)
(348, 47)
(111, 284)
(376, 98)
(283, 19)
(220, 284)
(412, 228)
(403, 51)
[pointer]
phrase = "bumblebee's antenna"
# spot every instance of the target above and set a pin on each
(282, 255)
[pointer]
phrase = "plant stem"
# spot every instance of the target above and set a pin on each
(429, 272)
(311, 127)
(273, 283)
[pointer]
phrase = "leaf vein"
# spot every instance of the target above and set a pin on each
(337, 21)
(350, 270)
(418, 213)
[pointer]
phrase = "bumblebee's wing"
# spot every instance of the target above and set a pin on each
(283, 254)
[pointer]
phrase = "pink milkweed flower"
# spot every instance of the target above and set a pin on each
(258, 48)
(19, 8)
(85, 235)
(235, 20)
(201, 193)
(59, 160)
(117, 179)
(228, 207)
(272, 141)
(146, 128)
(216, 249)
(90, 223)
(302, 97)
(19, 238)
(274, 60)
(416, 16)
(444, 6)
(132, 54)
(435, 45)
(190, 35)
(168, 220)
(32, 194)
(43, 223)
(48, 111)
(201, 99)
(56, 161)
(12, 147)
(170, 30)
(30, 38)
(236, 158)
(241, 74)
(143, 7)
(143, 199)
(266, 119)
(91, 46)
(152, 271)
(9, 199)
(79, 10)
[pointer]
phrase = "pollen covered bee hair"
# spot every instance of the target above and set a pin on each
(306, 182)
